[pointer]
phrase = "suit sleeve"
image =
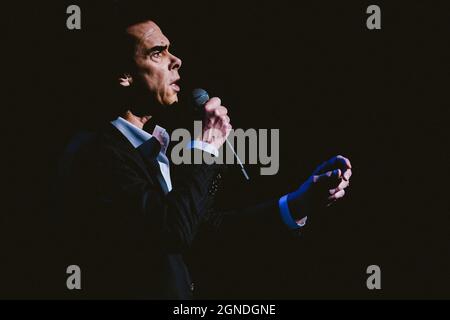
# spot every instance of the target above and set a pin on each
(263, 218)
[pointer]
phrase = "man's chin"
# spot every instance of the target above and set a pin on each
(171, 101)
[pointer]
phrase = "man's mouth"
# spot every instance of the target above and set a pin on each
(174, 85)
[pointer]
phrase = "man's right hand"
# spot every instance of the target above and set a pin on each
(216, 124)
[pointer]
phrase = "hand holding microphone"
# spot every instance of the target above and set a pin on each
(216, 123)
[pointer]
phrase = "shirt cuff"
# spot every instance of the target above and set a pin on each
(286, 215)
(195, 144)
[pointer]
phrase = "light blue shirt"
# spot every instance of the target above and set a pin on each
(137, 136)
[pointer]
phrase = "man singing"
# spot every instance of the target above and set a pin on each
(133, 215)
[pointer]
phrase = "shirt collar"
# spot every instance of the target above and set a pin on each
(137, 136)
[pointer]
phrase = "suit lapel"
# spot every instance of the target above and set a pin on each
(149, 151)
(144, 157)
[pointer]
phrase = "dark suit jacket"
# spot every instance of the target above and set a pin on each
(122, 226)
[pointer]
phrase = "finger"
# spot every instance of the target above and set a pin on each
(212, 121)
(228, 130)
(344, 184)
(337, 195)
(213, 133)
(212, 104)
(226, 127)
(224, 123)
(225, 119)
(220, 111)
(345, 165)
(347, 174)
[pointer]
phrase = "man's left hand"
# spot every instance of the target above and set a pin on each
(326, 185)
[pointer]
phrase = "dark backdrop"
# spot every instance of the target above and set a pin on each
(309, 68)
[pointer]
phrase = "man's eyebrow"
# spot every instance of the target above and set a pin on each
(156, 48)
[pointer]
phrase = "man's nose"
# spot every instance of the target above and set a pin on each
(175, 62)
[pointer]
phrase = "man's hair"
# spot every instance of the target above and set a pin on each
(107, 40)
(125, 14)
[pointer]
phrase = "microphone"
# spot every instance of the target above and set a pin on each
(201, 97)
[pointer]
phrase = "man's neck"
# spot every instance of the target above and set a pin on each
(135, 120)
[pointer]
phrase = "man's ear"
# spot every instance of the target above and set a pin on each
(125, 80)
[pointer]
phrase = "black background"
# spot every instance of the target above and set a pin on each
(311, 69)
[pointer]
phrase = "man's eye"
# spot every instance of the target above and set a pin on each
(157, 54)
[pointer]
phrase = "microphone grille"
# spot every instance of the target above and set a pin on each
(200, 96)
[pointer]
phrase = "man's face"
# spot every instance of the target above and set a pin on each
(157, 68)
